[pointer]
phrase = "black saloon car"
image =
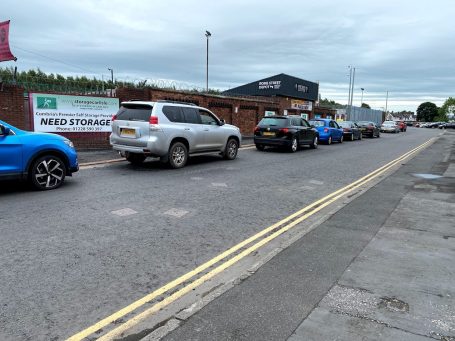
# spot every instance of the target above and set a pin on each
(369, 128)
(351, 131)
(290, 132)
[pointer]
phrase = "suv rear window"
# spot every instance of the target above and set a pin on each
(191, 115)
(274, 121)
(134, 113)
(173, 114)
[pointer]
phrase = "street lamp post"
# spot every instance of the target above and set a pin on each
(349, 93)
(361, 98)
(386, 100)
(207, 35)
(112, 78)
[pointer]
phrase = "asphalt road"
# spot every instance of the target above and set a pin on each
(112, 234)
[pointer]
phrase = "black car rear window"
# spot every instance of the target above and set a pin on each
(134, 113)
(364, 123)
(345, 124)
(274, 121)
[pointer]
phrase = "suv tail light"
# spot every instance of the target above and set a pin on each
(283, 130)
(256, 130)
(153, 120)
(114, 117)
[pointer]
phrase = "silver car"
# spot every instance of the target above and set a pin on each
(172, 131)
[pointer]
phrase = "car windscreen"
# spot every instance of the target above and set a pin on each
(134, 113)
(274, 121)
(389, 124)
(317, 123)
(344, 124)
(364, 123)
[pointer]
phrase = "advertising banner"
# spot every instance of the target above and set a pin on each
(63, 113)
(5, 52)
(302, 105)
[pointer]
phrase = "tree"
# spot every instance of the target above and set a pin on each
(447, 111)
(364, 105)
(427, 112)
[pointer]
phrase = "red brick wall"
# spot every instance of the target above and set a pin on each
(12, 106)
(242, 112)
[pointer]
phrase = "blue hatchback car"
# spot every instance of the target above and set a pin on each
(41, 158)
(329, 130)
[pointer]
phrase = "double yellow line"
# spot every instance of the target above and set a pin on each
(281, 227)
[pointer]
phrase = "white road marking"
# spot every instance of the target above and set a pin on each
(219, 184)
(124, 212)
(175, 212)
(316, 182)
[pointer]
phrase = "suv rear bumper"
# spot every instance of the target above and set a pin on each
(138, 150)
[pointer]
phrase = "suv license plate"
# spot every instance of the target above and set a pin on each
(128, 132)
(268, 133)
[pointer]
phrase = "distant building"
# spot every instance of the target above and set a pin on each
(296, 95)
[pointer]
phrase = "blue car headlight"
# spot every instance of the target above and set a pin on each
(69, 143)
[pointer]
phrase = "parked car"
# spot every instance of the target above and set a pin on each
(329, 130)
(390, 127)
(41, 158)
(369, 128)
(402, 125)
(449, 125)
(351, 130)
(290, 131)
(172, 131)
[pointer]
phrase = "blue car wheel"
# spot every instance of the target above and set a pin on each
(47, 172)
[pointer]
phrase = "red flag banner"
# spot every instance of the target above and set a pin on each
(5, 52)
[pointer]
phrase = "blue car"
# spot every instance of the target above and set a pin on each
(41, 158)
(329, 130)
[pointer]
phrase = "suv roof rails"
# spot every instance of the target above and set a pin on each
(137, 100)
(176, 102)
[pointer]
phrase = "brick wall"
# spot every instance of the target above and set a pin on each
(242, 112)
(12, 106)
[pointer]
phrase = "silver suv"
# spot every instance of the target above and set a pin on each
(172, 131)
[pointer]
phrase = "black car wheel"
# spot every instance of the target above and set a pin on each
(329, 141)
(232, 147)
(260, 147)
(47, 172)
(294, 145)
(178, 155)
(135, 159)
(314, 145)
(352, 137)
(341, 139)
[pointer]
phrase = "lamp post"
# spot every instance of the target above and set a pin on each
(112, 78)
(349, 93)
(207, 35)
(361, 98)
(386, 100)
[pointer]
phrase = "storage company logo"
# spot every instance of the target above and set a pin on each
(47, 102)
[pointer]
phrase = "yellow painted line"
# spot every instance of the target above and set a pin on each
(320, 203)
(85, 164)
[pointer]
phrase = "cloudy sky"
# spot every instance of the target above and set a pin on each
(404, 47)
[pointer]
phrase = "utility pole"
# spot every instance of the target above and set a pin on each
(386, 100)
(112, 78)
(349, 93)
(207, 35)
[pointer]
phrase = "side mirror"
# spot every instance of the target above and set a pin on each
(312, 126)
(4, 130)
(222, 122)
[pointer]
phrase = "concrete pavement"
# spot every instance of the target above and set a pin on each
(381, 268)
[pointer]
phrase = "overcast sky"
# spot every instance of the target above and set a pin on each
(404, 47)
